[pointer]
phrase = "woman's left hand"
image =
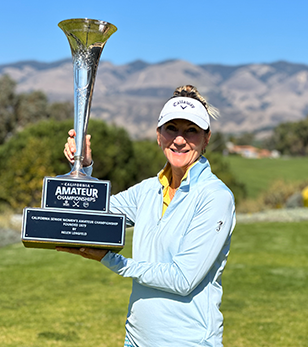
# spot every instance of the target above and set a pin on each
(89, 253)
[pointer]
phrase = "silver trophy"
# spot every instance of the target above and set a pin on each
(75, 207)
(87, 38)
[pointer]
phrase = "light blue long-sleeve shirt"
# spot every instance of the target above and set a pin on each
(178, 259)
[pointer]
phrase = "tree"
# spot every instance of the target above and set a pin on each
(7, 107)
(60, 110)
(19, 110)
(149, 159)
(217, 142)
(30, 108)
(37, 151)
(21, 184)
(27, 157)
(245, 139)
(291, 138)
(113, 154)
(222, 170)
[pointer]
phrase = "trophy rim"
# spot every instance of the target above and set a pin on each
(97, 22)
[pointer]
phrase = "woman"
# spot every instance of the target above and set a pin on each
(183, 220)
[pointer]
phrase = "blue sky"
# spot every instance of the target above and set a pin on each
(229, 32)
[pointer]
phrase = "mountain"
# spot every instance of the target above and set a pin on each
(251, 97)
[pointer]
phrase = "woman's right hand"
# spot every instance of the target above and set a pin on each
(70, 149)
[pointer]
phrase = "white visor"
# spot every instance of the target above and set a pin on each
(185, 108)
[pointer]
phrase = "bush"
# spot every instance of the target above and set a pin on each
(29, 156)
(37, 152)
(149, 159)
(281, 194)
(291, 138)
(278, 194)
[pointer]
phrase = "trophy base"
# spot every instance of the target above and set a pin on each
(50, 228)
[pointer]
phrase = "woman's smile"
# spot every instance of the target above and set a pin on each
(178, 151)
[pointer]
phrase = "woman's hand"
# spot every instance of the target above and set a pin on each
(70, 149)
(89, 253)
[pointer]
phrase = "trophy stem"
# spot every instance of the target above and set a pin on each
(77, 170)
(87, 38)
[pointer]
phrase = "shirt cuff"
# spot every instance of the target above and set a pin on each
(88, 169)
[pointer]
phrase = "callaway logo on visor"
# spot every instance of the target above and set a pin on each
(181, 102)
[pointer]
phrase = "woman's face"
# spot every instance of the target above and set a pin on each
(182, 142)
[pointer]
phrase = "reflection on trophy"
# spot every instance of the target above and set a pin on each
(75, 207)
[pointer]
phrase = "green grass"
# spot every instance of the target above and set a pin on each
(259, 174)
(49, 298)
(265, 286)
(57, 299)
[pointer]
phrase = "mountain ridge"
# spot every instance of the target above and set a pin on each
(250, 97)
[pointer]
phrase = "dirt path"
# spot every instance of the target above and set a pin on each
(10, 236)
(279, 215)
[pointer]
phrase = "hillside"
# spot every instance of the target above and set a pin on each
(252, 97)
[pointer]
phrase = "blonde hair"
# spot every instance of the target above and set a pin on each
(190, 91)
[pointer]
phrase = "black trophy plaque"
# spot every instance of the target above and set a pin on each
(69, 193)
(49, 228)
